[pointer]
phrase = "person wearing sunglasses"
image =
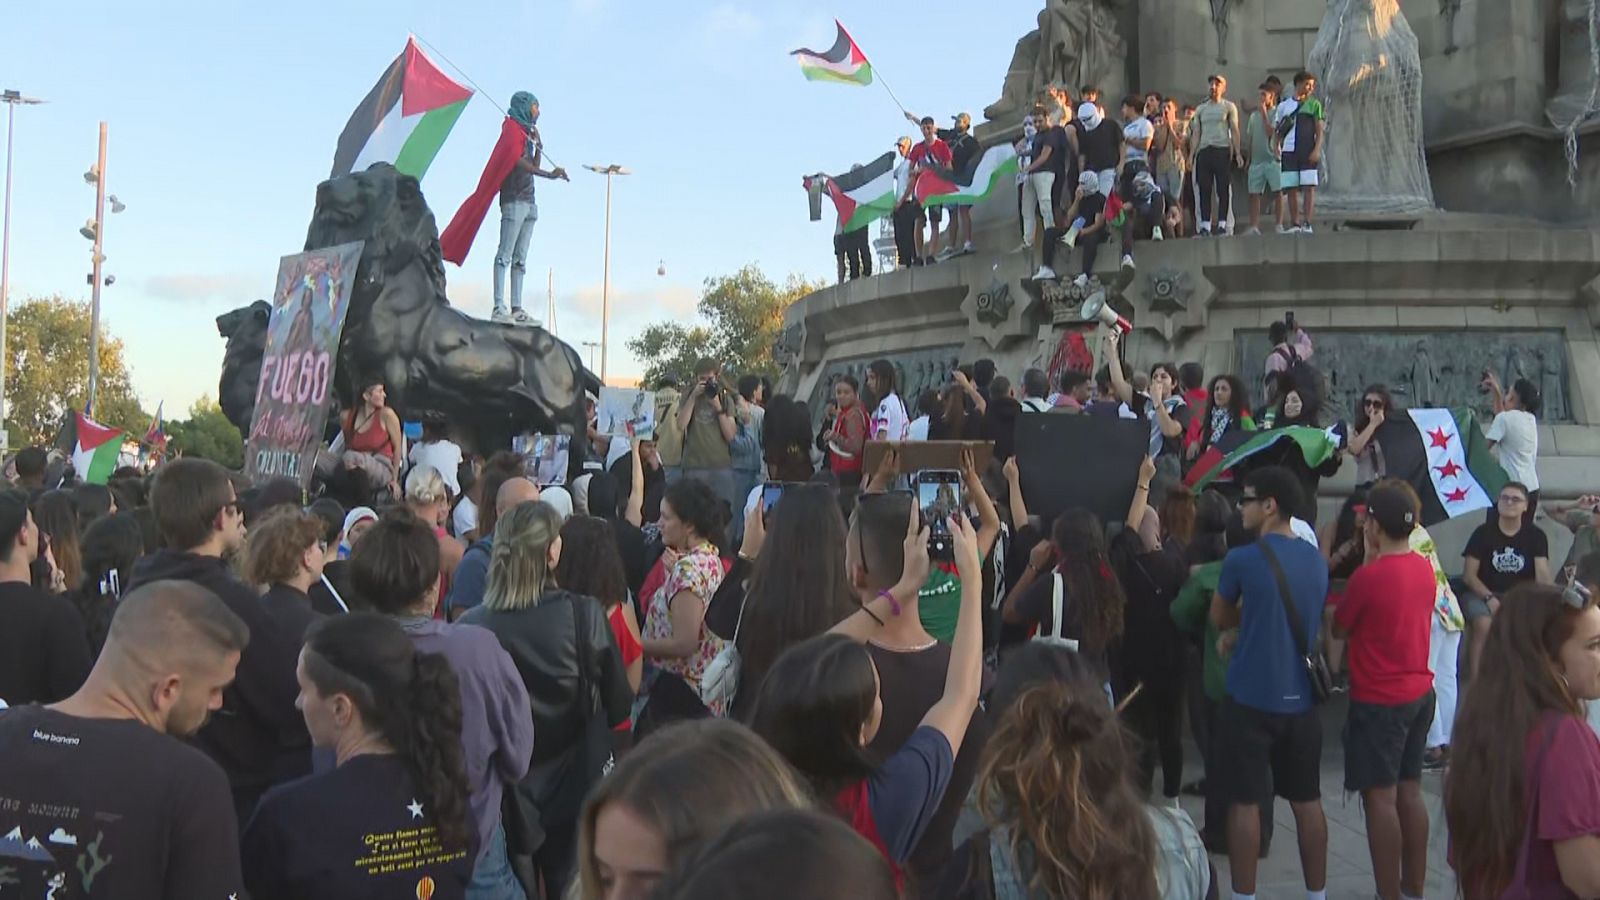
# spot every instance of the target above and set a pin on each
(1522, 797)
(1361, 436)
(258, 737)
(1500, 555)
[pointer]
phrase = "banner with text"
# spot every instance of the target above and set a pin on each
(308, 310)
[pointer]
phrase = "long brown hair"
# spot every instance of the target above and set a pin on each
(56, 517)
(1484, 800)
(1055, 772)
(1088, 579)
(1178, 514)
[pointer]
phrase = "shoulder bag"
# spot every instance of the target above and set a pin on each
(1316, 663)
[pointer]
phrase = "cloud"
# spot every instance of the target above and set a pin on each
(194, 287)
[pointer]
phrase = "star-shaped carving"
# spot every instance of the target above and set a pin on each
(1438, 438)
(415, 809)
(1449, 469)
(1456, 496)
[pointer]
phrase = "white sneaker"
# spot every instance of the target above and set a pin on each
(1155, 234)
(521, 317)
(1222, 231)
(500, 317)
(1081, 281)
(945, 254)
(1127, 261)
(1024, 247)
(1252, 231)
(1045, 273)
(968, 248)
(1070, 239)
(1205, 231)
(1293, 229)
(1284, 229)
(1305, 229)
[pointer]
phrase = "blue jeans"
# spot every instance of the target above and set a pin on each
(516, 230)
(492, 879)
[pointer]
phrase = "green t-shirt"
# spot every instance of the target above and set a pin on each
(1259, 141)
(1192, 614)
(1215, 120)
(704, 447)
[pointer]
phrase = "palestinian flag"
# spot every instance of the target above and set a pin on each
(1263, 448)
(843, 62)
(997, 165)
(1444, 455)
(93, 447)
(404, 119)
(863, 194)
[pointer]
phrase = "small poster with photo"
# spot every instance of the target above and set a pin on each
(544, 457)
(626, 412)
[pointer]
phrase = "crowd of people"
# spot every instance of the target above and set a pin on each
(1149, 167)
(727, 661)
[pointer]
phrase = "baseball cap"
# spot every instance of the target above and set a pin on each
(1392, 510)
(1216, 76)
(963, 119)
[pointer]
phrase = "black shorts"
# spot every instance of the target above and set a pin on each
(1383, 745)
(1270, 751)
(935, 214)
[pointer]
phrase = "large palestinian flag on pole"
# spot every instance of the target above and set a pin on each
(1444, 455)
(92, 447)
(843, 63)
(863, 194)
(404, 119)
(943, 187)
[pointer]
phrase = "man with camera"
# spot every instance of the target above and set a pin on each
(707, 426)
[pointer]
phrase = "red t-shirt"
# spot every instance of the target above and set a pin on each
(849, 434)
(937, 154)
(1568, 788)
(1388, 611)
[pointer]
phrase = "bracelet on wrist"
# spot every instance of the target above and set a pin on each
(1144, 487)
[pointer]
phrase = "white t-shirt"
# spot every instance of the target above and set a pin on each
(465, 518)
(918, 429)
(1286, 108)
(443, 456)
(1516, 432)
(1139, 130)
(1304, 531)
(890, 418)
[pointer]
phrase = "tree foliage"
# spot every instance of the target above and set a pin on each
(206, 433)
(47, 371)
(741, 315)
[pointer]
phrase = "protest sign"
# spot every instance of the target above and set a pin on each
(1091, 462)
(297, 366)
(626, 412)
(544, 457)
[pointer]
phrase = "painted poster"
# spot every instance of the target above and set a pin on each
(626, 412)
(544, 457)
(308, 310)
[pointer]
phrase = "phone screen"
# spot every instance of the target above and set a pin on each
(769, 497)
(939, 494)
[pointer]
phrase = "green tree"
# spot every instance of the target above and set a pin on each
(47, 371)
(742, 315)
(207, 433)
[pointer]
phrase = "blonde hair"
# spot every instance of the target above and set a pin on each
(425, 486)
(519, 564)
(688, 781)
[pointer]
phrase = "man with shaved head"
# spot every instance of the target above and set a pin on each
(472, 576)
(98, 796)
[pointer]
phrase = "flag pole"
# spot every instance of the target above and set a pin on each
(468, 78)
(879, 74)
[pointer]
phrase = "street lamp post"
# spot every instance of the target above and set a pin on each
(12, 99)
(590, 346)
(98, 259)
(605, 284)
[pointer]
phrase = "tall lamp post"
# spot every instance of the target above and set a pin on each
(12, 99)
(590, 346)
(95, 230)
(605, 285)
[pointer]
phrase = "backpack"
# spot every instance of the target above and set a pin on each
(1306, 379)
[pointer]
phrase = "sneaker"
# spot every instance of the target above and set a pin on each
(1292, 229)
(1205, 231)
(521, 317)
(1045, 273)
(1127, 261)
(1437, 759)
(968, 248)
(1252, 231)
(1024, 247)
(1305, 228)
(1081, 281)
(945, 254)
(500, 317)
(1222, 231)
(1070, 239)
(1155, 234)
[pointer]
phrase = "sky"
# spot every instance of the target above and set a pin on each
(223, 119)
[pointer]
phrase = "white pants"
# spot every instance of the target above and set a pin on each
(1443, 647)
(1108, 181)
(1036, 197)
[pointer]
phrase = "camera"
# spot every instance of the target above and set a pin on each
(711, 389)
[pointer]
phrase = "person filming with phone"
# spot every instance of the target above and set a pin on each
(708, 428)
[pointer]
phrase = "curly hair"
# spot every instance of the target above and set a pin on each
(590, 563)
(698, 506)
(1056, 772)
(275, 546)
(112, 544)
(412, 699)
(1088, 579)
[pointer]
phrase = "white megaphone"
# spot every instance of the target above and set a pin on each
(1096, 309)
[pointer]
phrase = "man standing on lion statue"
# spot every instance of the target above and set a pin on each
(512, 167)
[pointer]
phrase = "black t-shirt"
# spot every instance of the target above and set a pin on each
(1090, 207)
(910, 683)
(963, 147)
(44, 649)
(1505, 562)
(111, 808)
(358, 831)
(1056, 137)
(630, 546)
(1102, 146)
(1036, 605)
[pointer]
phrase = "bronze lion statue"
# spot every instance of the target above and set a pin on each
(492, 381)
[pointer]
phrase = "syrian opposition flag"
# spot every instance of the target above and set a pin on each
(1314, 445)
(843, 63)
(862, 194)
(937, 187)
(404, 119)
(1444, 455)
(92, 446)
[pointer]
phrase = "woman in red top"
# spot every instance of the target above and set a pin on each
(591, 564)
(1522, 797)
(372, 439)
